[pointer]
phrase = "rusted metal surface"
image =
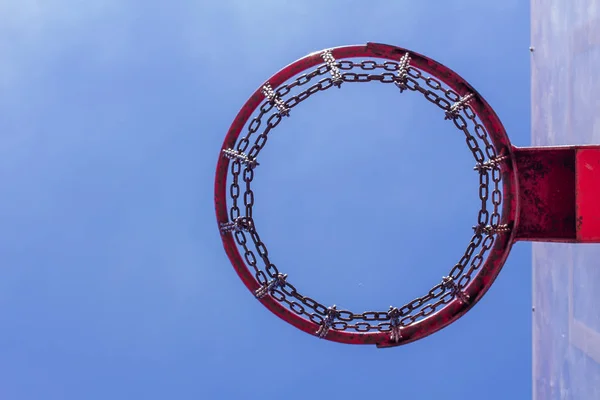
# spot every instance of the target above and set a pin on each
(558, 193)
(546, 187)
(534, 194)
(467, 281)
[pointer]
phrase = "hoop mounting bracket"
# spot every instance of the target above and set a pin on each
(559, 194)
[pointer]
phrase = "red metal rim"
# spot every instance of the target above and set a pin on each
(497, 255)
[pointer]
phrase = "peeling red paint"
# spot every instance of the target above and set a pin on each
(549, 194)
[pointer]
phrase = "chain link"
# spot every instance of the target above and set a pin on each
(278, 103)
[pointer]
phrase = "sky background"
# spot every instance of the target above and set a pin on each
(113, 280)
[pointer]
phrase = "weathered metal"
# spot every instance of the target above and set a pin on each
(525, 193)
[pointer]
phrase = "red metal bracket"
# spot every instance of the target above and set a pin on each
(558, 194)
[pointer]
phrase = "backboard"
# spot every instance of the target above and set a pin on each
(565, 104)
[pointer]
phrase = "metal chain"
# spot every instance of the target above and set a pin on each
(406, 77)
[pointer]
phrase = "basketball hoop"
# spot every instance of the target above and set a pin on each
(543, 194)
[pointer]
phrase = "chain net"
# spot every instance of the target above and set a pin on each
(277, 105)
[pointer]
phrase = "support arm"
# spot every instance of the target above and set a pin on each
(559, 194)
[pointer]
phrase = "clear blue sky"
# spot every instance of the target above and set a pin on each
(113, 280)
